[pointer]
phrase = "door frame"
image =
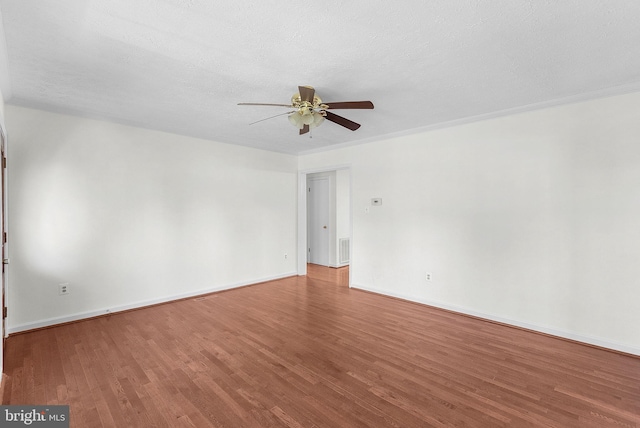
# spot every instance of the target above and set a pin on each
(3, 243)
(302, 216)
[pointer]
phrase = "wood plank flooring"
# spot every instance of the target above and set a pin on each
(310, 352)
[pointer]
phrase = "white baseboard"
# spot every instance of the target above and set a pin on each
(135, 305)
(603, 343)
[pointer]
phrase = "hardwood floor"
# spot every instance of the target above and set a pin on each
(339, 276)
(310, 352)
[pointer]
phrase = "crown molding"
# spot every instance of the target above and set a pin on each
(573, 99)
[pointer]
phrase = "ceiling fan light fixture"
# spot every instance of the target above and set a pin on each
(318, 118)
(296, 120)
(308, 119)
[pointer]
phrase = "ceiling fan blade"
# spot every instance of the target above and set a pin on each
(351, 105)
(271, 117)
(304, 129)
(342, 121)
(306, 93)
(262, 104)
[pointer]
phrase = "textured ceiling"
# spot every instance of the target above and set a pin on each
(182, 66)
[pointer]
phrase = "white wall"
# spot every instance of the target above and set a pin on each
(129, 216)
(532, 219)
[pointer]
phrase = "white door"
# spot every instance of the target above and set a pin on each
(318, 231)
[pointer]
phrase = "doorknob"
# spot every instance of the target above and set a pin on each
(324, 227)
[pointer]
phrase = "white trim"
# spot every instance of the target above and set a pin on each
(302, 223)
(3, 219)
(603, 343)
(137, 305)
(326, 169)
(572, 99)
(338, 266)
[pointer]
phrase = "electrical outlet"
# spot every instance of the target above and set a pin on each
(429, 276)
(286, 256)
(63, 289)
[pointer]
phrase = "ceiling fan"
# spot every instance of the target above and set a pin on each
(309, 111)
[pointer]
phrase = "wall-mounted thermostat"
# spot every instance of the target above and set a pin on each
(376, 201)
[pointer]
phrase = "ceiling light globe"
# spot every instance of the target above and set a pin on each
(295, 119)
(307, 119)
(317, 119)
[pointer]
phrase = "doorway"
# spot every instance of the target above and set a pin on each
(319, 224)
(324, 213)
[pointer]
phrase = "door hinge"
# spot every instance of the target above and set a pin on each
(4, 162)
(4, 237)
(4, 312)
